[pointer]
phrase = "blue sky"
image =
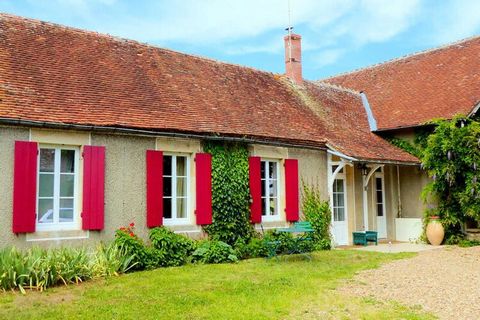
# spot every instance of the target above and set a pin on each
(338, 35)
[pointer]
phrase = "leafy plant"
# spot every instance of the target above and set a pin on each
(143, 257)
(170, 248)
(230, 192)
(254, 248)
(214, 251)
(452, 159)
(109, 260)
(318, 213)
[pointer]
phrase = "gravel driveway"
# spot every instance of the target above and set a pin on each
(445, 282)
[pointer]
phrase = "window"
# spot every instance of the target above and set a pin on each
(338, 200)
(57, 188)
(175, 188)
(269, 177)
(379, 192)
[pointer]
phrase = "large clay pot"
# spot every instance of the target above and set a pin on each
(435, 231)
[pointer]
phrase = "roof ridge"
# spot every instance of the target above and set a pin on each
(119, 39)
(335, 86)
(404, 57)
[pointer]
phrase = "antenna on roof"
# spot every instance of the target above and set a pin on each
(289, 30)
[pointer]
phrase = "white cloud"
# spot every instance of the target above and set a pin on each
(327, 57)
(455, 20)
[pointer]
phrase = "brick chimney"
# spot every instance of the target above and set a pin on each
(293, 57)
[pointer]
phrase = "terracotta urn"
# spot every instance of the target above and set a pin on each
(435, 231)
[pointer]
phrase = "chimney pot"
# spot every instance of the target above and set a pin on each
(293, 57)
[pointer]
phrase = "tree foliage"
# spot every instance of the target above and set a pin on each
(451, 158)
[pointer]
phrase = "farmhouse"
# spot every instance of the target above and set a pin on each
(97, 132)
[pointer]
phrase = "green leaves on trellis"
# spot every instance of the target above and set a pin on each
(230, 192)
(452, 159)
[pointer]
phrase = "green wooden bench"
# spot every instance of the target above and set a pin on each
(305, 231)
(363, 237)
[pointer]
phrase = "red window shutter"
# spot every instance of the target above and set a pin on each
(154, 188)
(291, 189)
(255, 189)
(25, 186)
(93, 210)
(203, 173)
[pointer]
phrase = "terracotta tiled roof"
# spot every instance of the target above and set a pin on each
(346, 125)
(410, 91)
(63, 75)
(59, 75)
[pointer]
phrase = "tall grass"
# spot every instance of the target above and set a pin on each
(39, 269)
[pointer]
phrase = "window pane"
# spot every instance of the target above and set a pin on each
(264, 203)
(272, 188)
(341, 200)
(181, 166)
(379, 183)
(45, 186)
(379, 197)
(339, 185)
(272, 170)
(335, 214)
(45, 210)
(262, 169)
(67, 163)
(66, 210)
(167, 186)
(181, 187)
(380, 210)
(47, 160)
(167, 165)
(167, 208)
(264, 192)
(341, 214)
(66, 185)
(273, 206)
(181, 208)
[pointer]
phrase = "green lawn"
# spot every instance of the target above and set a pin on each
(292, 288)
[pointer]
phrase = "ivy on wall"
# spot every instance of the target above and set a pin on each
(230, 192)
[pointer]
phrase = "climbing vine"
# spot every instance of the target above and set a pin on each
(230, 192)
(451, 157)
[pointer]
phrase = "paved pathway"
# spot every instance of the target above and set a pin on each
(398, 247)
(445, 282)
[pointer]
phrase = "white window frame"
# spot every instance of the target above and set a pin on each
(267, 216)
(174, 220)
(340, 177)
(381, 176)
(57, 225)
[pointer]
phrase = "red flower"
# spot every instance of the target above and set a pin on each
(122, 228)
(132, 224)
(131, 234)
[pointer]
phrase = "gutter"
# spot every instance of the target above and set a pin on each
(150, 133)
(332, 150)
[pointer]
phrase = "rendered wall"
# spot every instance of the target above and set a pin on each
(125, 181)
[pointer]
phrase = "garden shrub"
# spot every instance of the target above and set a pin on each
(254, 248)
(214, 251)
(468, 243)
(169, 248)
(143, 256)
(230, 192)
(318, 213)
